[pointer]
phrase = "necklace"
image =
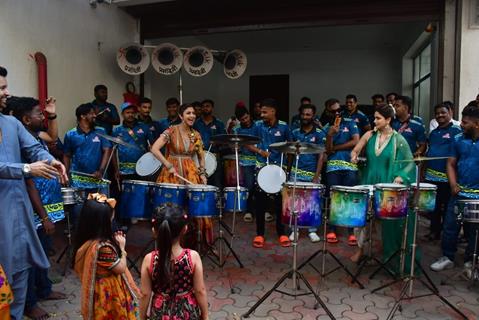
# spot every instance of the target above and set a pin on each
(379, 146)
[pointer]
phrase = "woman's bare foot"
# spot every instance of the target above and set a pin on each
(355, 257)
(37, 313)
(55, 295)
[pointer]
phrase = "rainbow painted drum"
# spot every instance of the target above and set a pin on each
(307, 202)
(427, 197)
(467, 210)
(390, 200)
(349, 206)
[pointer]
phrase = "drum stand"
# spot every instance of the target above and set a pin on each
(294, 272)
(324, 251)
(407, 289)
(68, 250)
(366, 260)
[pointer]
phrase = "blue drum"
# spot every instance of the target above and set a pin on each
(135, 199)
(202, 201)
(241, 205)
(163, 193)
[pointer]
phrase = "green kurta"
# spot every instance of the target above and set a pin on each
(384, 168)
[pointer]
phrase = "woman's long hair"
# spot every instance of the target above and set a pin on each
(168, 223)
(94, 224)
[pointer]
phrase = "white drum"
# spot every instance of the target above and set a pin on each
(147, 165)
(271, 178)
(210, 163)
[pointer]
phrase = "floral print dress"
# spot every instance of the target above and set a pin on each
(6, 296)
(177, 302)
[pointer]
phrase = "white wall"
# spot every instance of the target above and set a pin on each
(317, 74)
(469, 62)
(68, 33)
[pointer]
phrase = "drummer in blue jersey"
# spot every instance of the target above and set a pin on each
(412, 129)
(106, 113)
(172, 118)
(135, 133)
(208, 126)
(342, 136)
(269, 130)
(247, 159)
(309, 165)
(463, 175)
(46, 198)
(85, 152)
(144, 110)
(352, 112)
(440, 143)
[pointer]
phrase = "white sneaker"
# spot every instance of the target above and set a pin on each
(268, 217)
(313, 236)
(248, 217)
(442, 263)
(468, 269)
(291, 236)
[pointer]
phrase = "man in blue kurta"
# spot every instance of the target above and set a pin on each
(270, 130)
(19, 243)
(309, 165)
(134, 133)
(463, 175)
(440, 144)
(411, 128)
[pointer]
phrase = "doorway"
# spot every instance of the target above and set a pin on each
(271, 86)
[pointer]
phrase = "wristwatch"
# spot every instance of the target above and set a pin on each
(26, 169)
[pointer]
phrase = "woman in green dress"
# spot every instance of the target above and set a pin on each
(384, 150)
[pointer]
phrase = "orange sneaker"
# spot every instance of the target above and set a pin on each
(258, 242)
(332, 238)
(352, 241)
(284, 241)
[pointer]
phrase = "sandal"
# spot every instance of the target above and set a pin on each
(258, 242)
(284, 241)
(332, 238)
(352, 241)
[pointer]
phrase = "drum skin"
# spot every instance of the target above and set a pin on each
(271, 178)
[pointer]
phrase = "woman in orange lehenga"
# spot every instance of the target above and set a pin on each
(6, 296)
(182, 144)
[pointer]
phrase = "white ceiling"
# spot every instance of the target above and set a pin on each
(394, 35)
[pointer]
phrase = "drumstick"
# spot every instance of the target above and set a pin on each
(181, 178)
(82, 173)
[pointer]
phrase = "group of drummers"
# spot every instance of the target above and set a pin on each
(366, 163)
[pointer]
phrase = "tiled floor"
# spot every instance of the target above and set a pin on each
(233, 290)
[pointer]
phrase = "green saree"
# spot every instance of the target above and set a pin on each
(383, 166)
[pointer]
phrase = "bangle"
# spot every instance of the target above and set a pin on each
(169, 165)
(123, 253)
(52, 117)
(45, 218)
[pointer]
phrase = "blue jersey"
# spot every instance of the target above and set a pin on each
(153, 126)
(86, 151)
(139, 136)
(206, 131)
(412, 130)
(341, 160)
(359, 118)
(279, 132)
(296, 121)
(307, 163)
(246, 157)
(165, 123)
(466, 152)
(441, 142)
(113, 113)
